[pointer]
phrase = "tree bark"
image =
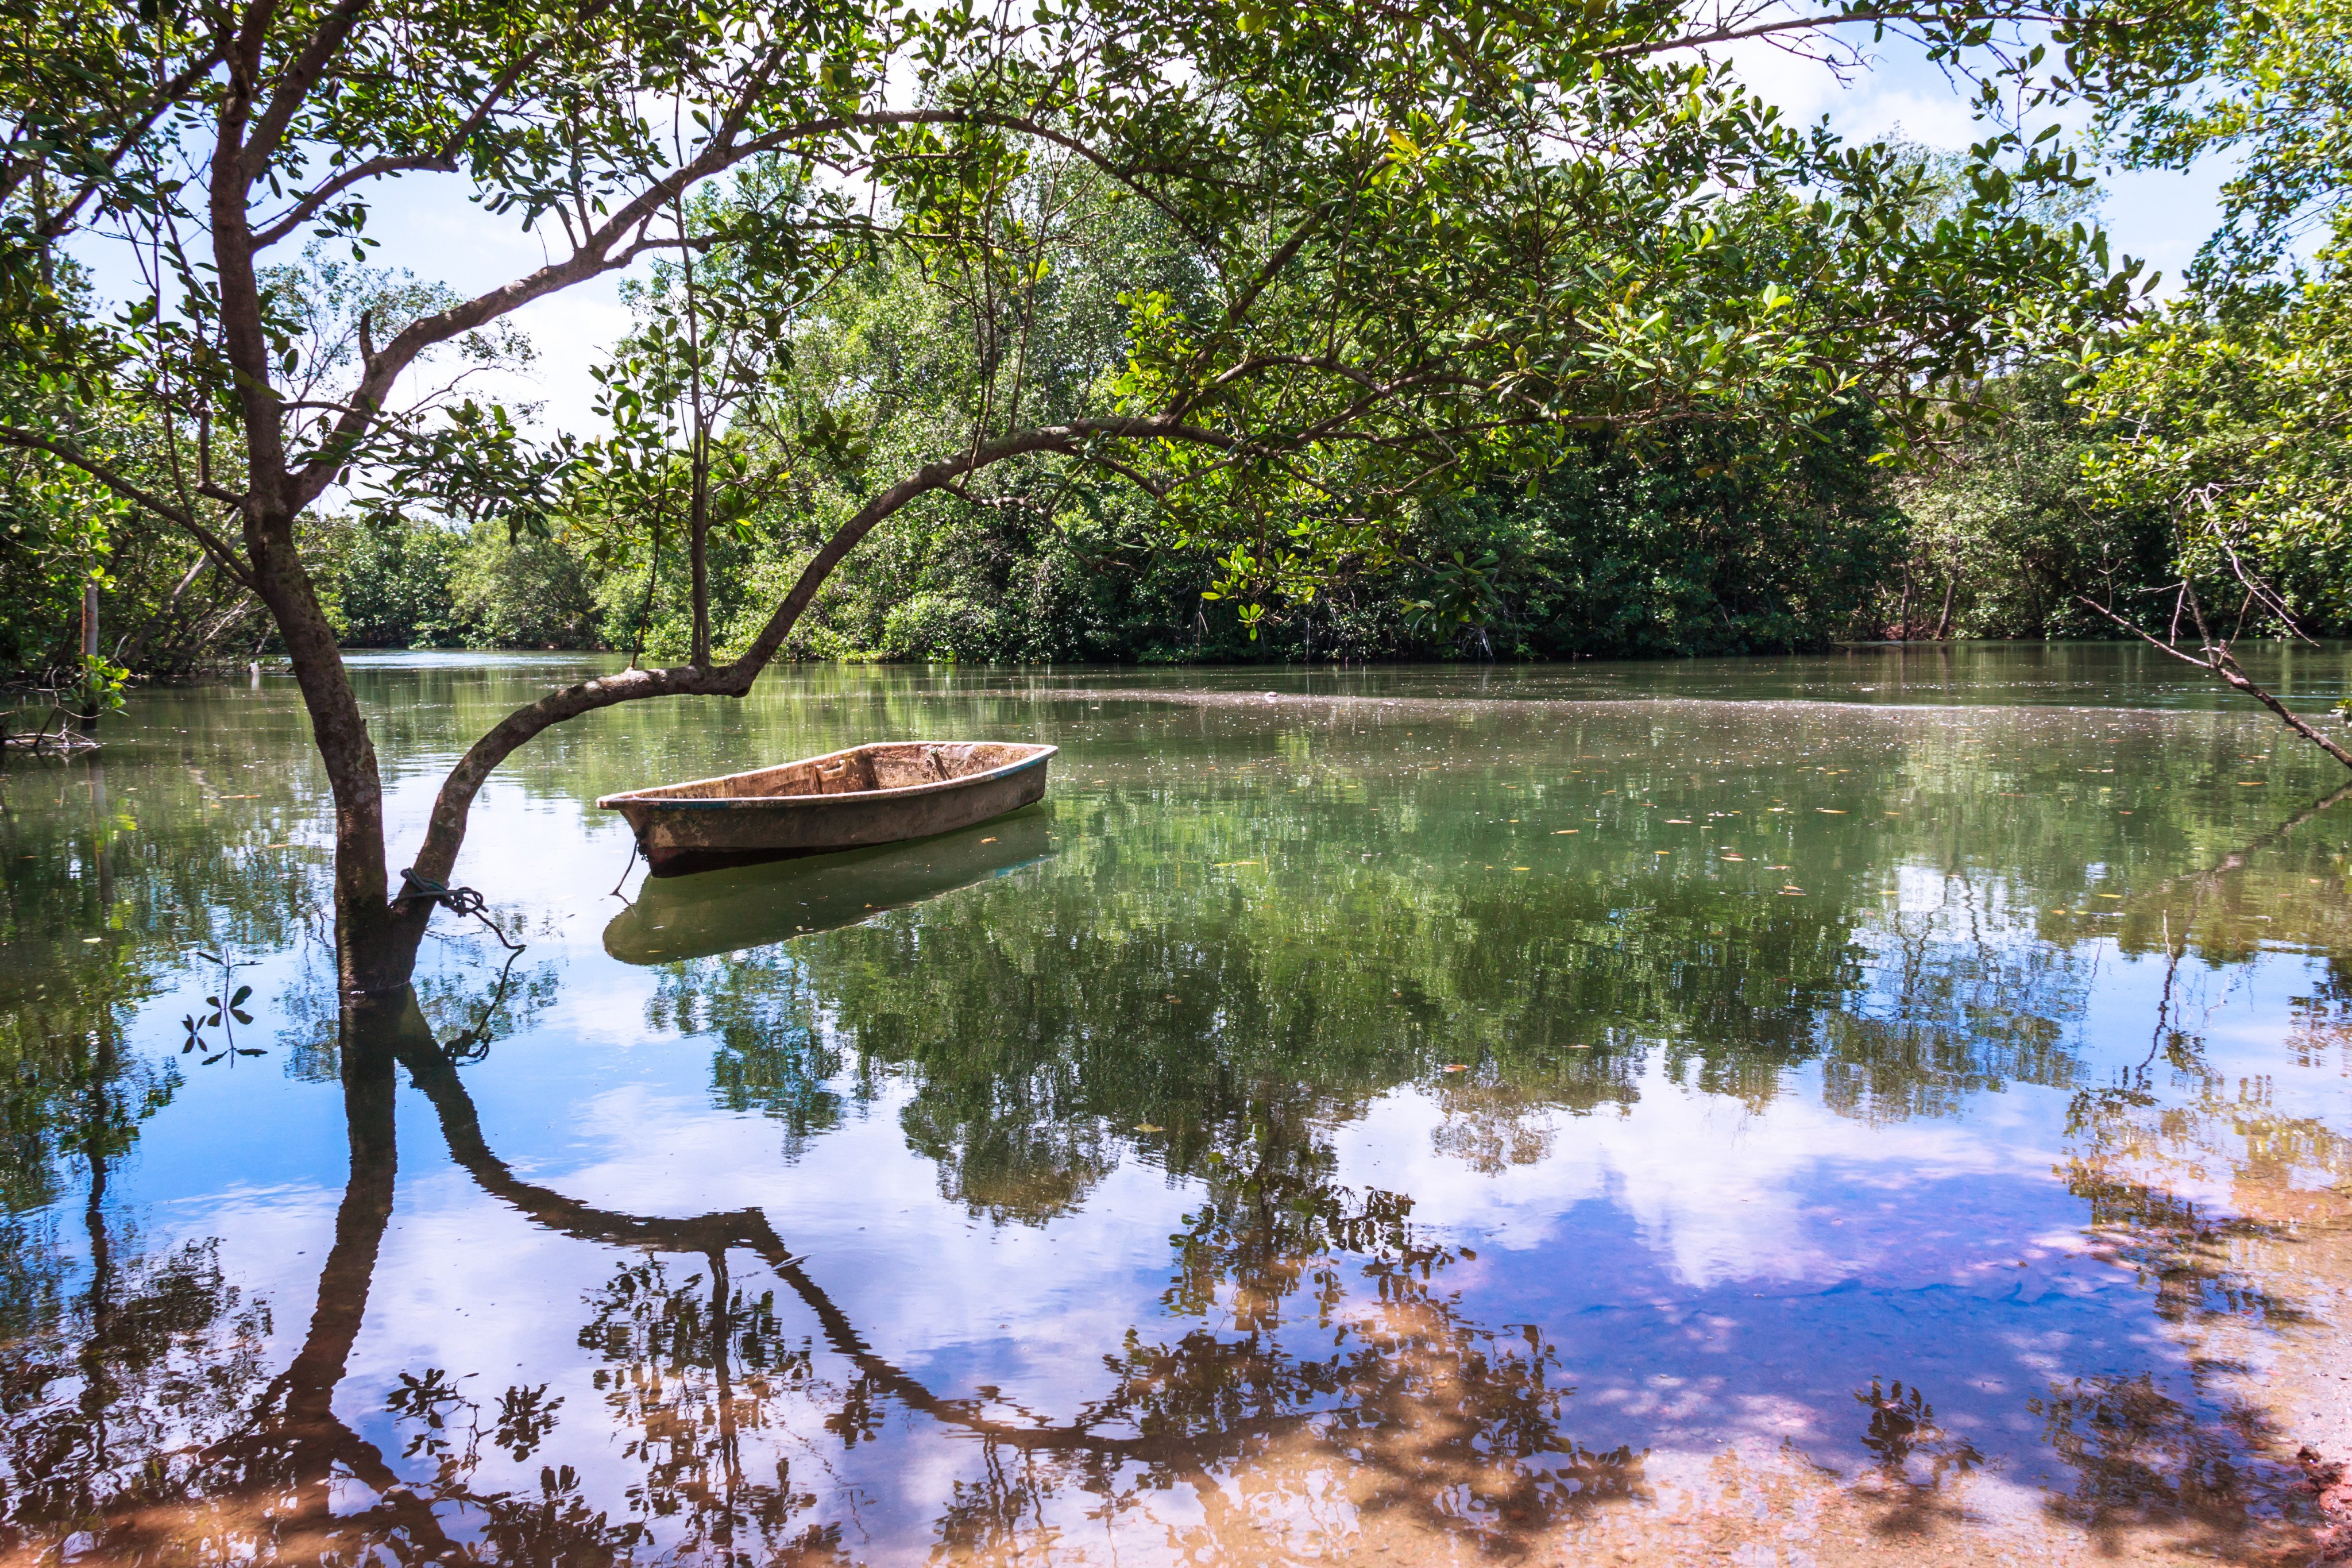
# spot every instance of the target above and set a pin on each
(699, 460)
(88, 652)
(374, 949)
(699, 556)
(369, 955)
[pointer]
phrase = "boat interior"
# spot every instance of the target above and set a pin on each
(883, 765)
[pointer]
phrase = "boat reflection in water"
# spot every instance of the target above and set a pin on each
(755, 906)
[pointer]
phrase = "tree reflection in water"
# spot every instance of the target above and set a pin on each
(1448, 1416)
(1321, 1370)
(183, 1447)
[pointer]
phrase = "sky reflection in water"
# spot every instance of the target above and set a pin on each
(1432, 1111)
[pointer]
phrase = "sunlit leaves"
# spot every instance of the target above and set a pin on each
(2230, 421)
(2268, 88)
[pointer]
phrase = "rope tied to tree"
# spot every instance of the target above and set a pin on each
(457, 900)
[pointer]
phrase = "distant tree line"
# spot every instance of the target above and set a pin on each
(1692, 546)
(1610, 555)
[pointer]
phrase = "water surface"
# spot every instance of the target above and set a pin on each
(1810, 1109)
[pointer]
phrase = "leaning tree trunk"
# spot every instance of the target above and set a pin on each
(376, 941)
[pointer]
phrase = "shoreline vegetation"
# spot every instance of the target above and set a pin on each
(1693, 550)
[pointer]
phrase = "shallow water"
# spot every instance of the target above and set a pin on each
(1800, 1108)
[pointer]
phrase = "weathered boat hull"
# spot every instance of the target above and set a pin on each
(759, 906)
(885, 792)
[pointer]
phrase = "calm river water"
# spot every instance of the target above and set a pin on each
(1887, 1106)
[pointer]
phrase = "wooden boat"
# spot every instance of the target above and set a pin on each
(882, 793)
(759, 906)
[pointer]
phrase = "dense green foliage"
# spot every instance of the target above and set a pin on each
(1710, 538)
(1688, 456)
(1613, 555)
(2003, 531)
(1714, 537)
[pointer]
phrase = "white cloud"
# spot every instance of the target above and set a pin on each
(1717, 1194)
